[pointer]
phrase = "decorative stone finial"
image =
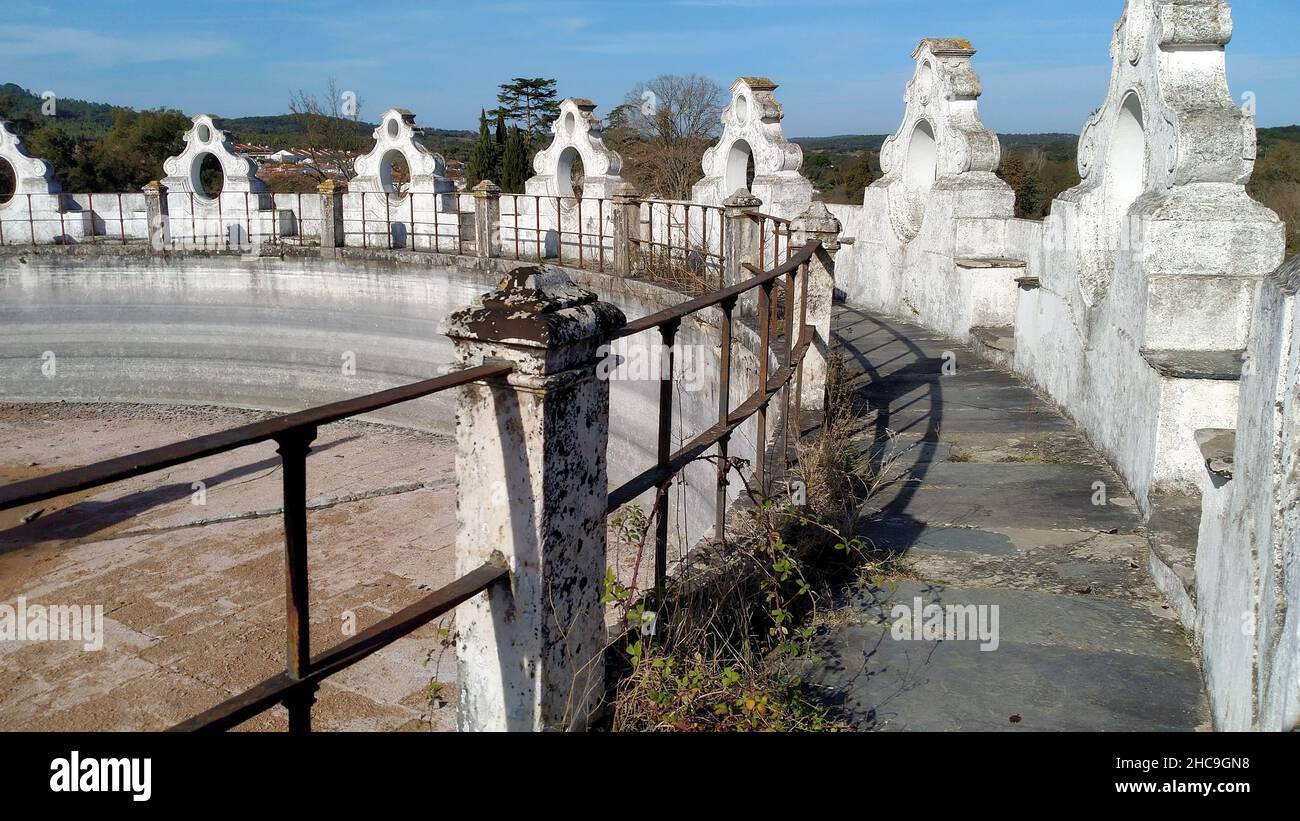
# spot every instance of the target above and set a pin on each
(31, 175)
(578, 134)
(486, 188)
(941, 135)
(395, 137)
(206, 138)
(751, 128)
(332, 186)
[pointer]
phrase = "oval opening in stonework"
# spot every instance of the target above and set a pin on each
(209, 177)
(394, 128)
(8, 181)
(742, 109)
(740, 167)
(394, 172)
(922, 157)
(1127, 163)
(570, 173)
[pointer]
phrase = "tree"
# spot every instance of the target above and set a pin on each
(514, 162)
(663, 128)
(330, 132)
(484, 160)
(133, 151)
(529, 103)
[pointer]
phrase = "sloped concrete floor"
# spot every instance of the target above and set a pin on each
(990, 498)
(193, 594)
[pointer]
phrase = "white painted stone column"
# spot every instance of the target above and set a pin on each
(817, 223)
(331, 216)
(627, 228)
(487, 219)
(155, 203)
(531, 491)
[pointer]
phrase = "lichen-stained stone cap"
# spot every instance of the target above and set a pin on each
(538, 307)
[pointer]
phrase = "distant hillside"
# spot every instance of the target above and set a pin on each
(84, 120)
(80, 118)
(853, 143)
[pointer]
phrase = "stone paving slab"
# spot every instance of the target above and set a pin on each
(990, 500)
(1062, 663)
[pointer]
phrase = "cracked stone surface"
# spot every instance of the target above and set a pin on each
(991, 497)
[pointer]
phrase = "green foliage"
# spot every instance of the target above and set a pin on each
(514, 162)
(530, 103)
(484, 160)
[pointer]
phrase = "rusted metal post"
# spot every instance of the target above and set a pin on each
(293, 451)
(724, 411)
(817, 223)
(664, 452)
(487, 219)
(532, 494)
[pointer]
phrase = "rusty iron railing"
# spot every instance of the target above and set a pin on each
(295, 688)
(669, 463)
(683, 233)
(418, 221)
(527, 236)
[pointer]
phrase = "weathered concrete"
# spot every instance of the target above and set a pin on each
(531, 495)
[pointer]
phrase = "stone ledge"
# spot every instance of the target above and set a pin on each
(997, 338)
(1218, 446)
(989, 263)
(1223, 366)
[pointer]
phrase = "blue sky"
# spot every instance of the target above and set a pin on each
(842, 64)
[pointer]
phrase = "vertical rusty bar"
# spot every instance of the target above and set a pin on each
(121, 219)
(437, 234)
(221, 221)
(537, 220)
(63, 226)
(764, 349)
(31, 216)
(600, 233)
(293, 450)
(724, 411)
(365, 234)
(668, 334)
(581, 240)
(388, 219)
(410, 199)
(803, 333)
(788, 327)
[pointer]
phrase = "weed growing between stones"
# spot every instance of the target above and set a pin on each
(724, 651)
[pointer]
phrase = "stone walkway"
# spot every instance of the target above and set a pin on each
(994, 499)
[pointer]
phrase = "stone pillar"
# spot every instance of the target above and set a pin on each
(155, 204)
(740, 245)
(627, 228)
(531, 491)
(817, 223)
(487, 219)
(331, 216)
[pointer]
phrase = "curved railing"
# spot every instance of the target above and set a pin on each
(669, 463)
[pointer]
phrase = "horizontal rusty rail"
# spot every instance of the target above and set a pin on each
(679, 312)
(295, 688)
(276, 689)
(200, 447)
(669, 464)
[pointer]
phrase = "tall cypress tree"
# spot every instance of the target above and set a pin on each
(514, 162)
(483, 159)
